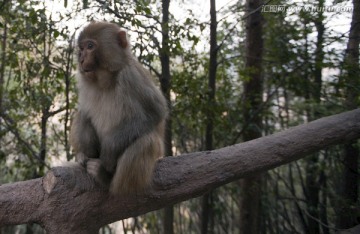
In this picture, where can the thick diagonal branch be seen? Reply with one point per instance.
(61, 205)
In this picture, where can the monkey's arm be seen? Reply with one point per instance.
(84, 138)
(153, 111)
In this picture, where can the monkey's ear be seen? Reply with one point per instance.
(122, 39)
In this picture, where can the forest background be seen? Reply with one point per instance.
(231, 70)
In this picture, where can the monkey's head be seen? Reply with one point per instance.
(103, 47)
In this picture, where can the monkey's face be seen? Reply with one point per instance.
(87, 57)
(103, 51)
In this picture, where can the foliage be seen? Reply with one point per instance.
(36, 79)
(38, 96)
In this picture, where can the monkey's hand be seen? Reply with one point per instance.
(97, 171)
(81, 159)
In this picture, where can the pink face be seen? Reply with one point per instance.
(87, 56)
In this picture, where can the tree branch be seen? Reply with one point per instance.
(59, 203)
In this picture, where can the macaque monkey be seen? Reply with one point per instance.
(117, 133)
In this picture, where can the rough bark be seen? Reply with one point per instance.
(60, 207)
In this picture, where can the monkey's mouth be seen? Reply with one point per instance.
(87, 70)
(89, 74)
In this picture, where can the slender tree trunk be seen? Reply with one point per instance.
(207, 215)
(212, 75)
(165, 80)
(2, 69)
(165, 87)
(253, 89)
(349, 192)
(313, 170)
(312, 191)
(320, 27)
(43, 141)
(67, 76)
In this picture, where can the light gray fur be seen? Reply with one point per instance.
(127, 112)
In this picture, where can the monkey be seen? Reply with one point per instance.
(117, 133)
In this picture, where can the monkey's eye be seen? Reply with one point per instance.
(90, 45)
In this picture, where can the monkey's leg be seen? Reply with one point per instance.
(98, 172)
(135, 166)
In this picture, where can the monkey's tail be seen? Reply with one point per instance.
(135, 167)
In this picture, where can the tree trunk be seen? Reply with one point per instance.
(207, 215)
(165, 87)
(349, 188)
(253, 90)
(313, 170)
(2, 70)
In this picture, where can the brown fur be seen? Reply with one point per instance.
(118, 130)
